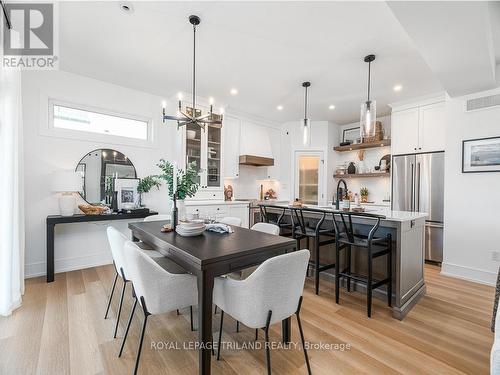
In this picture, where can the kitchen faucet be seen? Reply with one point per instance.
(337, 200)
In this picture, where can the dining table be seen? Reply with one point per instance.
(211, 255)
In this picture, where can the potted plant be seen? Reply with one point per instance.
(186, 184)
(145, 185)
(363, 192)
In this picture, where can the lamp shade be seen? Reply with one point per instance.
(66, 181)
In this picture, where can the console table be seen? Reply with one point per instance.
(53, 220)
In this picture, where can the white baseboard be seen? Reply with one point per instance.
(469, 273)
(69, 264)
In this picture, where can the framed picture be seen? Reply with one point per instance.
(351, 134)
(127, 192)
(481, 155)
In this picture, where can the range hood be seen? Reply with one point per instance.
(255, 146)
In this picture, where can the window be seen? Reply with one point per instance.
(71, 118)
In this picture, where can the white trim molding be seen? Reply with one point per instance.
(69, 264)
(468, 273)
(46, 128)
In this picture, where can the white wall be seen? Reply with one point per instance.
(379, 187)
(472, 203)
(78, 245)
(322, 138)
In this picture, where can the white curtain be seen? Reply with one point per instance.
(11, 193)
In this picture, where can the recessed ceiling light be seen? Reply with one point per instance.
(234, 92)
(331, 106)
(127, 7)
(397, 88)
(279, 108)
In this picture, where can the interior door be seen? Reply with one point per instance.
(309, 172)
(403, 182)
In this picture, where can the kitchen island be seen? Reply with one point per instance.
(407, 230)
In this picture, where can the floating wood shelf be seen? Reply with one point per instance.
(358, 175)
(360, 146)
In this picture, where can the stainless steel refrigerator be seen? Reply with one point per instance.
(418, 185)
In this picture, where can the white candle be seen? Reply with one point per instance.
(175, 178)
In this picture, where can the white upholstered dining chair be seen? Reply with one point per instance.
(156, 290)
(117, 241)
(270, 294)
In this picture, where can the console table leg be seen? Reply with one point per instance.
(50, 253)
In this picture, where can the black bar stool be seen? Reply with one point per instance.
(301, 230)
(374, 247)
(282, 222)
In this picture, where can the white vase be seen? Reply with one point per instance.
(361, 167)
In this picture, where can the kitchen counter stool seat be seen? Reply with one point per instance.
(374, 247)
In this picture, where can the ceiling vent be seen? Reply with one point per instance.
(482, 103)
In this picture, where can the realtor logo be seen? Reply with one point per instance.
(30, 43)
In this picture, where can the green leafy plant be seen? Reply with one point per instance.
(363, 192)
(147, 183)
(186, 180)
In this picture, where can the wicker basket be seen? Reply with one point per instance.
(88, 209)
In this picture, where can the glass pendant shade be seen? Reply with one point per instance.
(306, 129)
(368, 120)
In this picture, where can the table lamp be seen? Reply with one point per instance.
(66, 183)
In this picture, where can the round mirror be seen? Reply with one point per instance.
(99, 168)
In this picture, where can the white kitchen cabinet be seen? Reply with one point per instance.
(204, 149)
(432, 127)
(404, 131)
(232, 129)
(240, 211)
(273, 172)
(418, 129)
(218, 211)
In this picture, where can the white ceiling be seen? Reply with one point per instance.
(264, 49)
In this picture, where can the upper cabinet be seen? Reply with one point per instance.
(204, 148)
(273, 172)
(418, 129)
(231, 129)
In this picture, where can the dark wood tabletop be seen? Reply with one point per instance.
(211, 247)
(210, 255)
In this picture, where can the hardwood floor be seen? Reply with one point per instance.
(60, 330)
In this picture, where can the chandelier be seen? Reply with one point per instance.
(192, 115)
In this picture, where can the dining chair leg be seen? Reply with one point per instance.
(220, 334)
(302, 337)
(256, 334)
(268, 350)
(143, 331)
(237, 326)
(337, 272)
(178, 313)
(191, 317)
(316, 265)
(215, 310)
(120, 307)
(111, 295)
(128, 327)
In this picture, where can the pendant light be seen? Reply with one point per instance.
(368, 109)
(306, 125)
(195, 117)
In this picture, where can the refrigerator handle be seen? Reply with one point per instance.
(417, 176)
(412, 204)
